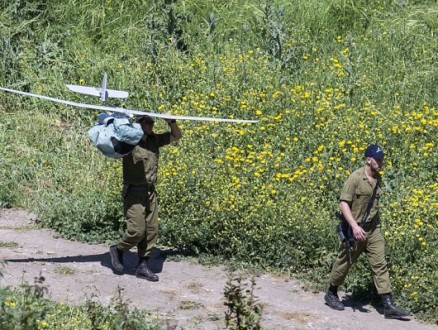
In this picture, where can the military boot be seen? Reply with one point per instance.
(144, 272)
(116, 258)
(332, 300)
(390, 310)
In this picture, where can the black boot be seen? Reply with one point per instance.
(332, 300)
(390, 310)
(144, 272)
(116, 258)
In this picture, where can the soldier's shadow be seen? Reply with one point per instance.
(359, 304)
(156, 261)
(159, 256)
(362, 304)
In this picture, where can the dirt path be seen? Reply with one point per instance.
(187, 296)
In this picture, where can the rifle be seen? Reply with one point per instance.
(344, 231)
(345, 235)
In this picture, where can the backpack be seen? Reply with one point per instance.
(114, 135)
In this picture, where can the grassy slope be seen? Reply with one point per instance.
(324, 77)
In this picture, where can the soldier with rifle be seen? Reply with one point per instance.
(360, 233)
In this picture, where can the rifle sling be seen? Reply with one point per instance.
(370, 205)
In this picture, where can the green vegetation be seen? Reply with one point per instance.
(26, 308)
(244, 311)
(9, 245)
(325, 79)
(64, 270)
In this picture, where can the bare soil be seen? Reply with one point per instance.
(187, 296)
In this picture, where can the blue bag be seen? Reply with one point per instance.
(114, 135)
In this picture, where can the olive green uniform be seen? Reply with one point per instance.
(357, 192)
(140, 201)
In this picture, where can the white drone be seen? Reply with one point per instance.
(103, 93)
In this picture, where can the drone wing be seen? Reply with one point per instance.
(94, 91)
(128, 112)
(103, 93)
(84, 90)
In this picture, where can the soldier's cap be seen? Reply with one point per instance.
(374, 151)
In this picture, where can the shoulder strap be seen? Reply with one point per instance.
(370, 204)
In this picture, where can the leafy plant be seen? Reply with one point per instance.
(25, 310)
(244, 311)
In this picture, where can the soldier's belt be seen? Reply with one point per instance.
(370, 225)
(141, 188)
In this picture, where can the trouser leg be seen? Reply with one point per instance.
(149, 241)
(375, 253)
(341, 267)
(134, 204)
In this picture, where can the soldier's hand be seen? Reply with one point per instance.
(359, 233)
(170, 119)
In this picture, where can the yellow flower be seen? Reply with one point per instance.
(10, 303)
